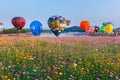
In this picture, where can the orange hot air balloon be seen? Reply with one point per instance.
(84, 25)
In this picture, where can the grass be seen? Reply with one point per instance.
(60, 58)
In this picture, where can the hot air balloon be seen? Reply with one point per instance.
(84, 25)
(36, 28)
(57, 24)
(68, 22)
(96, 29)
(18, 22)
(102, 29)
(109, 23)
(1, 27)
(109, 28)
(90, 30)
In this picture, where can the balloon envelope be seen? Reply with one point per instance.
(109, 28)
(109, 23)
(90, 30)
(1, 27)
(36, 28)
(96, 29)
(57, 24)
(84, 25)
(102, 29)
(18, 22)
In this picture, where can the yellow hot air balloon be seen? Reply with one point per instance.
(109, 28)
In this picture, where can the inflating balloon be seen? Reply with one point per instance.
(90, 30)
(57, 24)
(84, 25)
(36, 28)
(18, 22)
(109, 23)
(109, 28)
(96, 29)
(102, 29)
(1, 27)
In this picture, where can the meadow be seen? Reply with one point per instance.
(60, 58)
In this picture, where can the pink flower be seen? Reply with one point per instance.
(111, 74)
(53, 72)
(2, 68)
(17, 75)
(98, 79)
(63, 62)
(9, 67)
(48, 77)
(23, 72)
(24, 67)
(31, 58)
(117, 78)
(0, 63)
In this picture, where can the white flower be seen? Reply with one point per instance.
(75, 64)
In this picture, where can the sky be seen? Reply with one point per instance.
(95, 11)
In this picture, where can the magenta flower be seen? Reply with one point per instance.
(23, 72)
(111, 74)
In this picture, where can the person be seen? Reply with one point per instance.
(118, 33)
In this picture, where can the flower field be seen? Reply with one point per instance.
(60, 58)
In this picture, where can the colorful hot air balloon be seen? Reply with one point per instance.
(90, 30)
(84, 25)
(57, 24)
(96, 29)
(36, 28)
(102, 29)
(18, 22)
(109, 28)
(1, 27)
(109, 23)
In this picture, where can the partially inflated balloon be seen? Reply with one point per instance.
(57, 24)
(109, 23)
(102, 29)
(96, 29)
(84, 25)
(109, 28)
(104, 23)
(36, 28)
(18, 22)
(90, 30)
(1, 27)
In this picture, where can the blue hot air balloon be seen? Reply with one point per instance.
(36, 28)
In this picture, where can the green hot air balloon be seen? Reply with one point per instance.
(102, 29)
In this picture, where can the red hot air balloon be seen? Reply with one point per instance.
(84, 25)
(18, 22)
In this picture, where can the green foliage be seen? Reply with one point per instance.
(14, 30)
